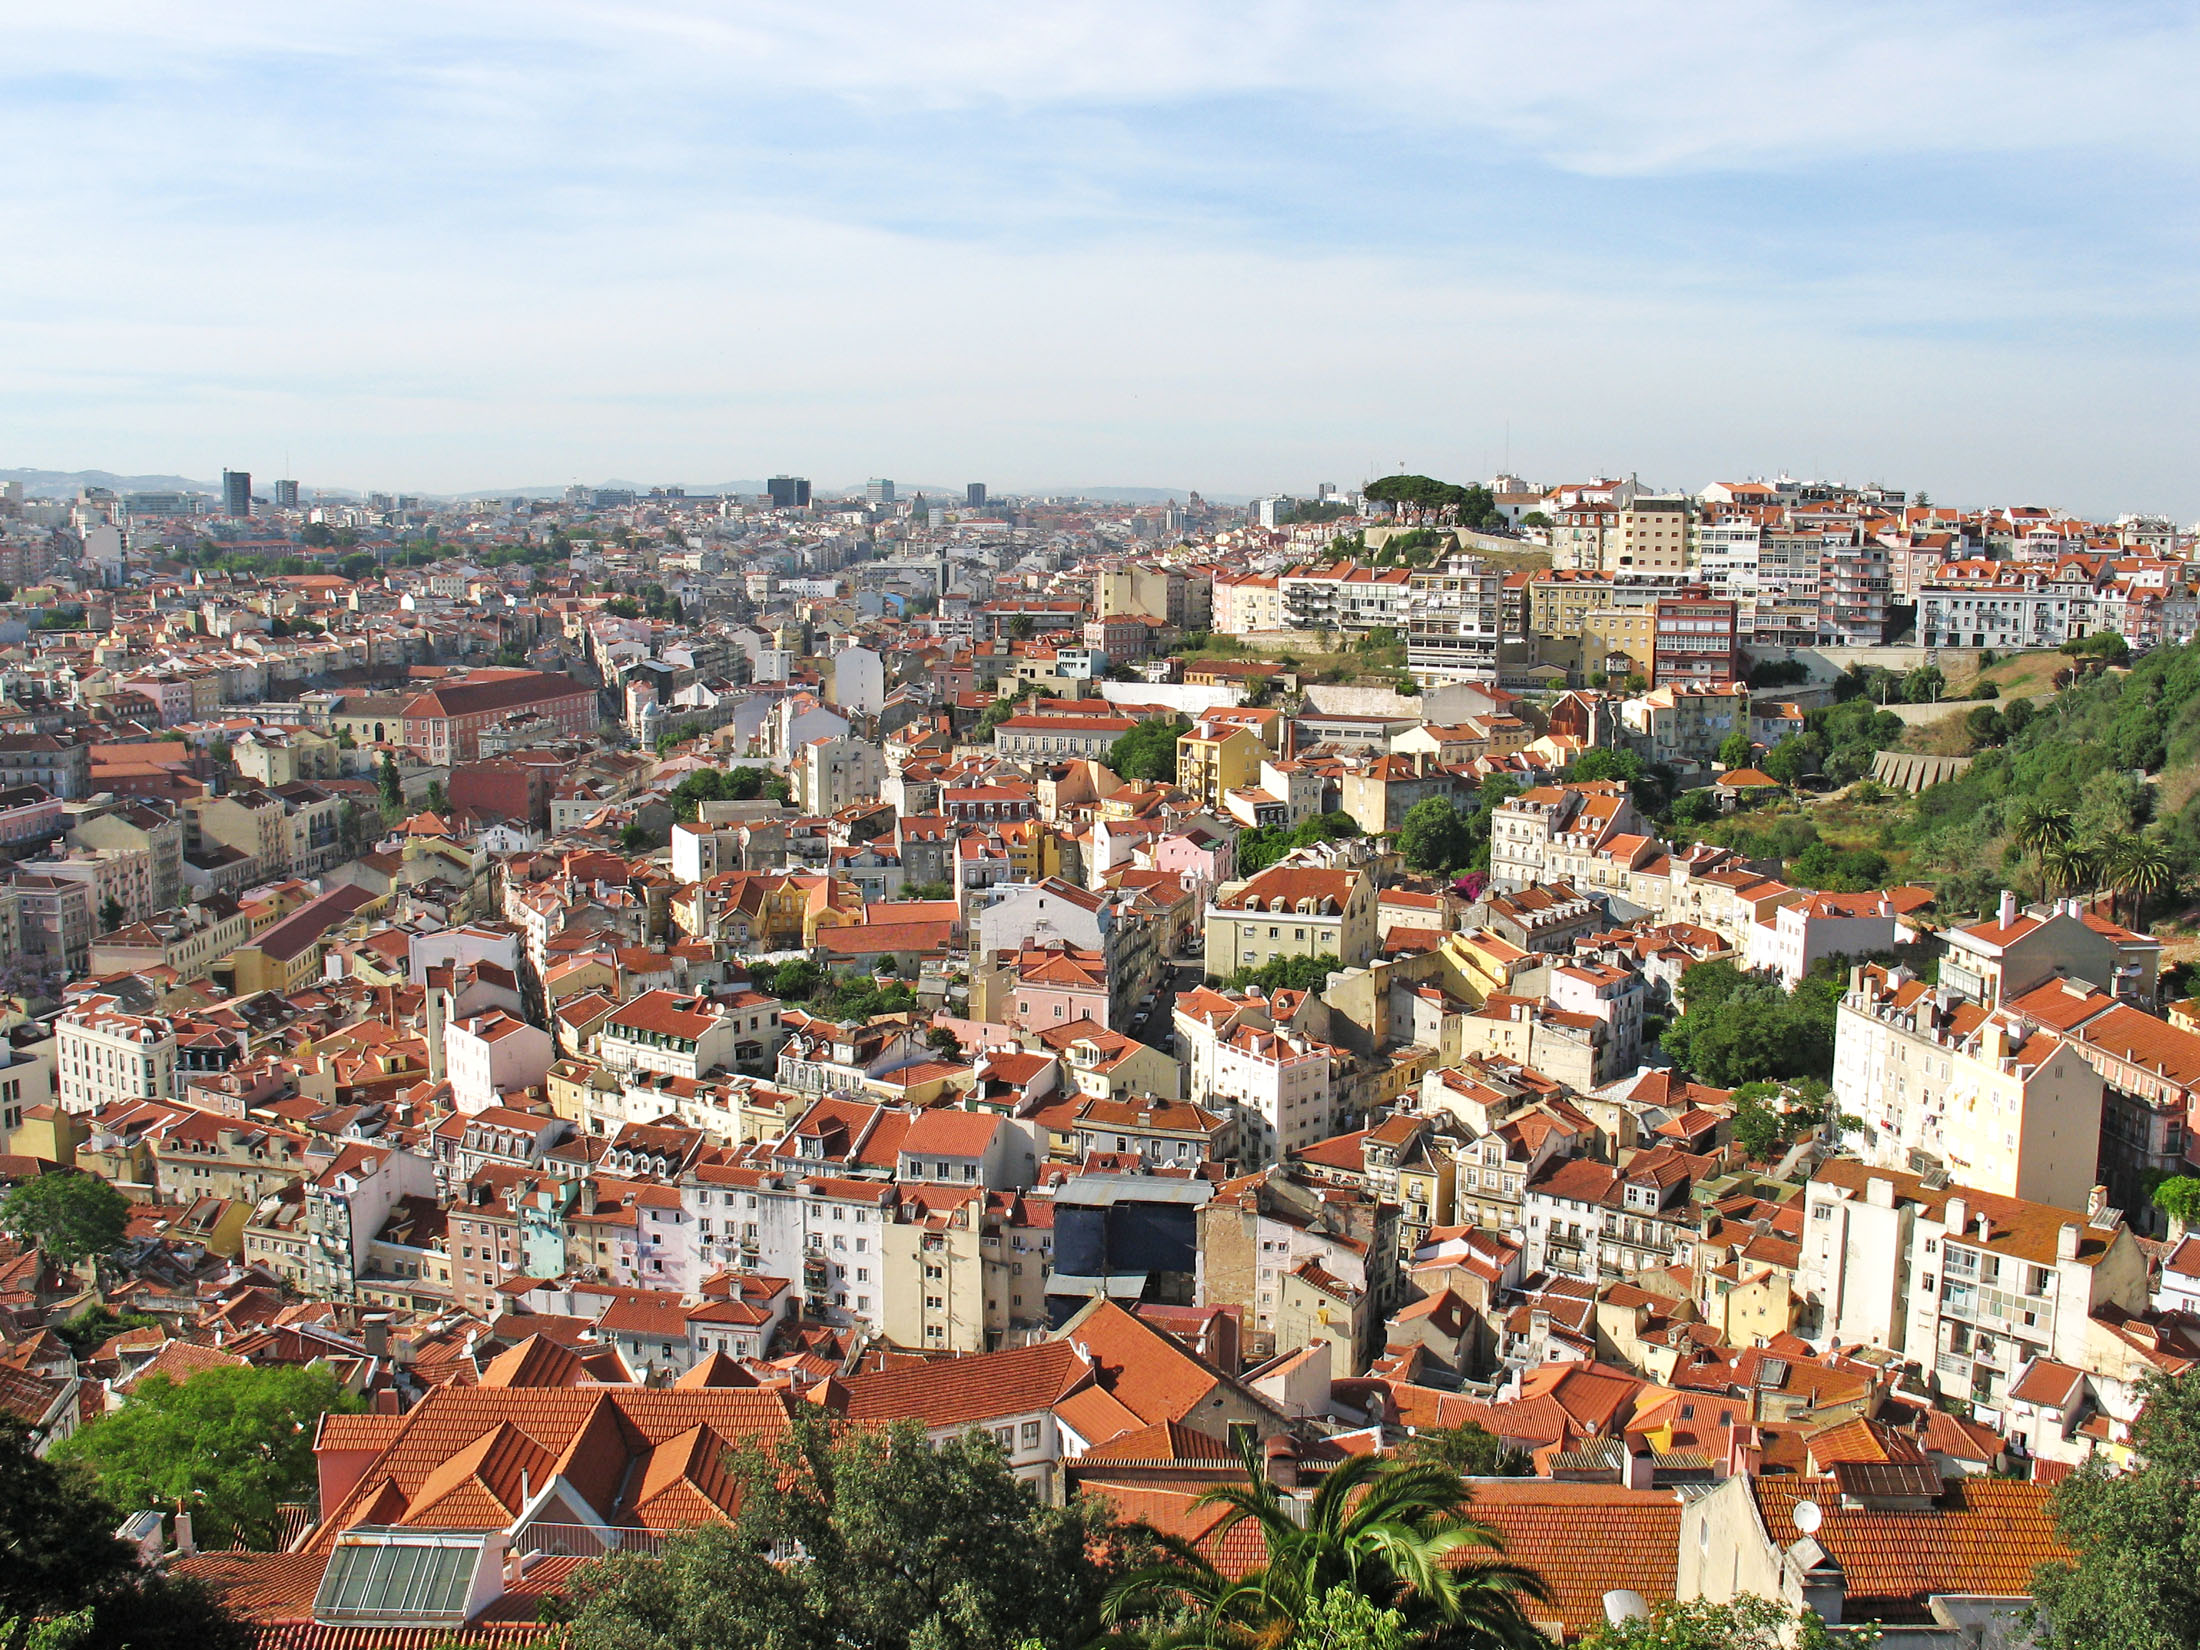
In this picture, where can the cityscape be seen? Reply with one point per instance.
(1677, 1007)
(1099, 827)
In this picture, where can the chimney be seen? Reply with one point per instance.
(2008, 907)
(374, 1331)
(1957, 1217)
(435, 1035)
(2096, 1205)
(186, 1543)
(1985, 1228)
(1879, 1192)
(2066, 1241)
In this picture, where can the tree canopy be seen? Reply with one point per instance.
(1471, 1451)
(1148, 751)
(232, 1444)
(73, 1217)
(1740, 1028)
(1288, 974)
(1262, 846)
(906, 1547)
(1383, 1527)
(1469, 506)
(1744, 1623)
(1435, 836)
(744, 784)
(2134, 1580)
(62, 1560)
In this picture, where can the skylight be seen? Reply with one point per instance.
(400, 1575)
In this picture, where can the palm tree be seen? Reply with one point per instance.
(2070, 865)
(2040, 826)
(2140, 869)
(1384, 1527)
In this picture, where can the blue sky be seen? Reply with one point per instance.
(1235, 247)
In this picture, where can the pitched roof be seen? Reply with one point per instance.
(958, 1391)
(1983, 1535)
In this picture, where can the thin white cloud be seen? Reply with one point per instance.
(452, 245)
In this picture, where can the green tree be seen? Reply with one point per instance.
(1605, 763)
(233, 1444)
(1737, 1028)
(1433, 836)
(795, 980)
(2039, 827)
(1471, 1451)
(393, 786)
(2133, 1581)
(439, 801)
(941, 1040)
(1288, 974)
(1735, 750)
(1924, 685)
(1385, 1527)
(111, 914)
(1787, 761)
(1744, 1623)
(1346, 1619)
(62, 1561)
(1985, 726)
(2138, 870)
(73, 1217)
(636, 838)
(2178, 1197)
(2070, 866)
(906, 1546)
(1148, 751)
(99, 1323)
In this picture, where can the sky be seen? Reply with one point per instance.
(1241, 248)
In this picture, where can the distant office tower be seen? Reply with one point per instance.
(974, 496)
(879, 490)
(286, 495)
(237, 493)
(789, 492)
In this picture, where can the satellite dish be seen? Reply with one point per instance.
(1808, 1516)
(1624, 1604)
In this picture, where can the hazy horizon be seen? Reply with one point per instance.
(1238, 249)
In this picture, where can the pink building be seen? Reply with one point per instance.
(1058, 984)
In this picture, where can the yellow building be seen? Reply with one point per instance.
(934, 1271)
(1212, 761)
(1478, 964)
(1293, 911)
(50, 1134)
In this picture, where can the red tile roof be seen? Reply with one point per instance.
(1984, 1535)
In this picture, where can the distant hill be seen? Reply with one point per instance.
(68, 483)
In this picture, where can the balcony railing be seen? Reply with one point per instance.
(587, 1541)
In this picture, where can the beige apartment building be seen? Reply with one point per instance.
(2009, 1108)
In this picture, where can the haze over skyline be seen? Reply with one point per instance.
(1225, 247)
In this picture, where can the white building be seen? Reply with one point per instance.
(1802, 935)
(489, 1055)
(669, 1032)
(1279, 1083)
(832, 774)
(1930, 1076)
(102, 1054)
(1969, 1285)
(859, 680)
